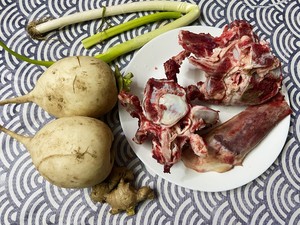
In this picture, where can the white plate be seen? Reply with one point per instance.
(148, 62)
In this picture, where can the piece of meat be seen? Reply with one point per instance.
(201, 45)
(240, 69)
(168, 120)
(172, 65)
(230, 142)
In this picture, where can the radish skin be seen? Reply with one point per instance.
(74, 86)
(71, 152)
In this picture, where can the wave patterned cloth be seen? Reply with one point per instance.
(26, 198)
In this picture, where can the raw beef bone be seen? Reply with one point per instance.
(240, 69)
(168, 120)
(229, 143)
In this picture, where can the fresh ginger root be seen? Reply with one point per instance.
(117, 191)
(112, 181)
(125, 198)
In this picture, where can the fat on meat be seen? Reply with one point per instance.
(169, 125)
(239, 68)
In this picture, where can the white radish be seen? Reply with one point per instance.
(74, 86)
(71, 152)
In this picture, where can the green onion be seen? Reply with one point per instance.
(101, 36)
(24, 58)
(45, 26)
(191, 13)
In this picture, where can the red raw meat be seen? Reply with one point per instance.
(240, 69)
(170, 125)
(230, 142)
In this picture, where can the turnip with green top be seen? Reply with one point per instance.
(71, 152)
(74, 86)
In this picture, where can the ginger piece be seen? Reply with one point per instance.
(112, 181)
(126, 198)
(118, 193)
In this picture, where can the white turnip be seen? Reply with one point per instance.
(74, 86)
(71, 152)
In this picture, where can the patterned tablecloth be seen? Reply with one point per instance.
(26, 198)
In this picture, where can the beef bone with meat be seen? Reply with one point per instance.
(229, 143)
(239, 68)
(168, 120)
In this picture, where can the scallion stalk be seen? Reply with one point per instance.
(45, 26)
(191, 13)
(110, 32)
